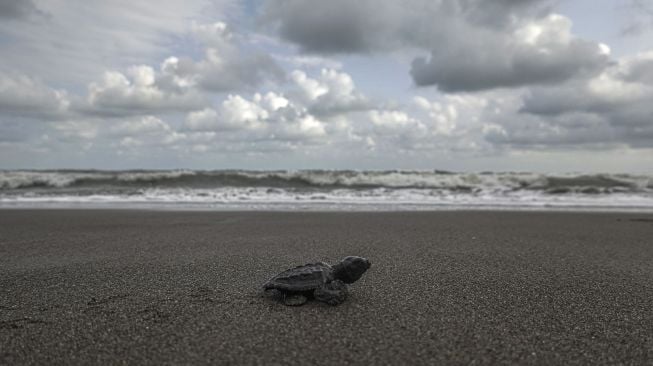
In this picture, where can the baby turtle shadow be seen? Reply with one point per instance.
(333, 294)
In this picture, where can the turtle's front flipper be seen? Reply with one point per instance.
(332, 293)
(294, 299)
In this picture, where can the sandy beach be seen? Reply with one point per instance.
(157, 287)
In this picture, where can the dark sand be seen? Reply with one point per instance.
(138, 287)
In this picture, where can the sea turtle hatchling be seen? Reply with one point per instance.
(318, 280)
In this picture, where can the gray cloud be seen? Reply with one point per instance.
(181, 83)
(473, 44)
(12, 131)
(227, 65)
(612, 107)
(108, 93)
(574, 130)
(17, 9)
(269, 117)
(138, 92)
(500, 61)
(25, 97)
(623, 89)
(568, 131)
(314, 111)
(78, 40)
(324, 27)
(342, 26)
(238, 73)
(331, 93)
(640, 16)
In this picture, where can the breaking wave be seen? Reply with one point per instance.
(327, 186)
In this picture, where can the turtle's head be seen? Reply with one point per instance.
(351, 269)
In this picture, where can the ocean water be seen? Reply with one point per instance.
(324, 190)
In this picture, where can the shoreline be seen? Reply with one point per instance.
(446, 287)
(324, 207)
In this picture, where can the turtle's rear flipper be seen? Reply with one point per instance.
(332, 293)
(294, 300)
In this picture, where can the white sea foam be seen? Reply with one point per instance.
(344, 189)
(59, 179)
(389, 199)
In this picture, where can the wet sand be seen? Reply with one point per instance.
(148, 287)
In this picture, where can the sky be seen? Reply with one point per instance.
(464, 85)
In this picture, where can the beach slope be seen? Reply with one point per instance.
(157, 287)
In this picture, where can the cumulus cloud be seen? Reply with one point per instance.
(169, 79)
(397, 129)
(146, 131)
(181, 84)
(342, 26)
(623, 85)
(333, 92)
(444, 124)
(449, 122)
(24, 96)
(615, 103)
(443, 116)
(227, 65)
(460, 115)
(313, 110)
(235, 113)
(324, 27)
(139, 92)
(608, 110)
(539, 52)
(473, 44)
(264, 117)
